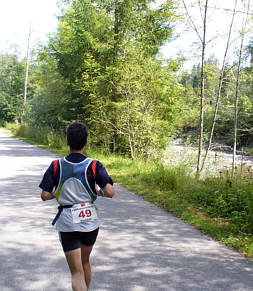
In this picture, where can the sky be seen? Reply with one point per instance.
(219, 17)
(17, 15)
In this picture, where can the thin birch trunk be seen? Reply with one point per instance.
(236, 114)
(116, 30)
(202, 92)
(202, 88)
(130, 138)
(244, 22)
(26, 70)
(219, 89)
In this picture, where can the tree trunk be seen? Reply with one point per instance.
(202, 91)
(116, 30)
(202, 87)
(26, 71)
(237, 91)
(219, 90)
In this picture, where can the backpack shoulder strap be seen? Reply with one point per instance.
(56, 162)
(94, 163)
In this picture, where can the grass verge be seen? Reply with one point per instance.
(220, 209)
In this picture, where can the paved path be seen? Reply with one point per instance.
(139, 248)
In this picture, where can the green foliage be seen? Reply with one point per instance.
(49, 105)
(190, 100)
(40, 135)
(144, 110)
(105, 53)
(226, 199)
(225, 119)
(11, 87)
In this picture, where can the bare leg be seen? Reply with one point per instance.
(85, 252)
(76, 269)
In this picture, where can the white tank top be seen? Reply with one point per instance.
(74, 189)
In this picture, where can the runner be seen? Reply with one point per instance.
(77, 181)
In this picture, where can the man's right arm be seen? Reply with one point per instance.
(46, 195)
(108, 190)
(47, 184)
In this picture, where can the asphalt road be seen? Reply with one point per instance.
(139, 247)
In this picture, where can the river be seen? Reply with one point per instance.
(217, 161)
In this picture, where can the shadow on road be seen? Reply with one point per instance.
(141, 247)
(16, 148)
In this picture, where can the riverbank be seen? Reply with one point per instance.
(219, 160)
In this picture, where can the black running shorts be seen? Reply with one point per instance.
(73, 240)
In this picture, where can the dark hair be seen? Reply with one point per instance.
(77, 134)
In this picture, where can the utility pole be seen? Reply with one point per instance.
(26, 70)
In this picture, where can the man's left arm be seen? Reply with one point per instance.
(104, 181)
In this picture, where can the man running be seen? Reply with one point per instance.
(77, 181)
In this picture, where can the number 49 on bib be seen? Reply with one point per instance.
(81, 214)
(85, 213)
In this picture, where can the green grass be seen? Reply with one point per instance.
(169, 190)
(220, 208)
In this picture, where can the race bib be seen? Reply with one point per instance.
(83, 212)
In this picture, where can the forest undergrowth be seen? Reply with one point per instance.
(219, 206)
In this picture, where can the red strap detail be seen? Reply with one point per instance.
(56, 162)
(94, 168)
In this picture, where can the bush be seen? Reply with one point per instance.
(223, 198)
(43, 136)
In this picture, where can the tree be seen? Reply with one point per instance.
(219, 87)
(11, 87)
(146, 110)
(244, 23)
(190, 99)
(97, 43)
(202, 39)
(48, 106)
(26, 71)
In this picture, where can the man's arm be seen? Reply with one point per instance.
(46, 195)
(103, 181)
(108, 190)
